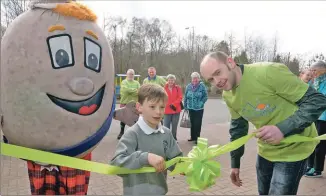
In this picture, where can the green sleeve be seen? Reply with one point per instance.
(290, 87)
(135, 91)
(145, 81)
(162, 81)
(124, 88)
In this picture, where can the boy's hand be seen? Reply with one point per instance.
(157, 162)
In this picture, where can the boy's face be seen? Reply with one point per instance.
(152, 111)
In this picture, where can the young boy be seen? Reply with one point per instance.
(147, 143)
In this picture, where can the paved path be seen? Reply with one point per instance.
(14, 179)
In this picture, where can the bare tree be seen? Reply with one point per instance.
(223, 46)
(160, 37)
(11, 9)
(275, 47)
(231, 41)
(140, 43)
(256, 49)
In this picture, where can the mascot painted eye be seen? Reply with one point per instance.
(93, 54)
(61, 51)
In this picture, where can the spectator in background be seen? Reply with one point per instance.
(129, 93)
(194, 101)
(317, 158)
(305, 75)
(173, 106)
(153, 78)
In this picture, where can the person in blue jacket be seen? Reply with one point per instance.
(194, 101)
(317, 158)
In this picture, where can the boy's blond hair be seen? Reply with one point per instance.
(151, 92)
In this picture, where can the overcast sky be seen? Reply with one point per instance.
(300, 25)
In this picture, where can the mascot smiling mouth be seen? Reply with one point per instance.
(84, 107)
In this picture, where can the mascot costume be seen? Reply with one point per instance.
(57, 90)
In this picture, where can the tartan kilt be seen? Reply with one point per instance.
(66, 181)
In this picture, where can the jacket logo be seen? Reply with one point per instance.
(251, 111)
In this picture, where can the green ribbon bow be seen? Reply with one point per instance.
(199, 167)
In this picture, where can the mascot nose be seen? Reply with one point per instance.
(81, 86)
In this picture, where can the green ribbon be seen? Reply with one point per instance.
(199, 167)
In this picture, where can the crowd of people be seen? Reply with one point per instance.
(193, 101)
(268, 95)
(265, 94)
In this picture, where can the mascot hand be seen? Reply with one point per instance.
(128, 114)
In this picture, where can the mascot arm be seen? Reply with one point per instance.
(128, 115)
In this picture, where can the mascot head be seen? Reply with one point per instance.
(57, 79)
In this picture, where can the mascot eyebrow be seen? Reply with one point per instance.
(62, 28)
(56, 28)
(91, 33)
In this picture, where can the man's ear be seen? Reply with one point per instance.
(231, 63)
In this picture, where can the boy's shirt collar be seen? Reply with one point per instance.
(147, 129)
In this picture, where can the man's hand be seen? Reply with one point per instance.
(235, 177)
(270, 134)
(157, 162)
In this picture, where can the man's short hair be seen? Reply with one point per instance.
(151, 68)
(131, 70)
(171, 76)
(219, 56)
(151, 92)
(195, 75)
